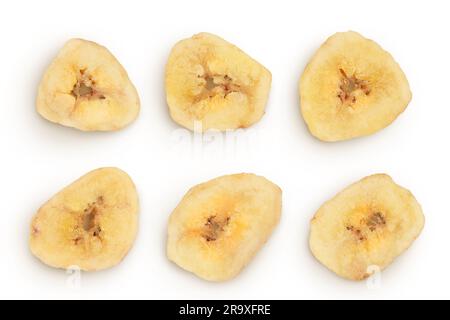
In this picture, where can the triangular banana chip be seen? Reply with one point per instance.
(91, 224)
(85, 87)
(351, 88)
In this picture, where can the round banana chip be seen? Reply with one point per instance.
(219, 225)
(351, 88)
(212, 84)
(91, 224)
(365, 227)
(85, 87)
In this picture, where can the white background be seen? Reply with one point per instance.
(39, 158)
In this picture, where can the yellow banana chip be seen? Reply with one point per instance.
(351, 88)
(219, 225)
(365, 226)
(214, 84)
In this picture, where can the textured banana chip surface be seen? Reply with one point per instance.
(219, 225)
(85, 87)
(365, 227)
(91, 224)
(351, 88)
(212, 84)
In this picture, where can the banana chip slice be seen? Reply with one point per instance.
(91, 224)
(85, 87)
(351, 88)
(214, 83)
(219, 225)
(366, 225)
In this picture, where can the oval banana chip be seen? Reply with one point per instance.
(212, 84)
(366, 225)
(351, 88)
(86, 88)
(219, 225)
(91, 224)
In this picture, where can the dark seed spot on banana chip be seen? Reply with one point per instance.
(217, 84)
(356, 232)
(214, 227)
(89, 219)
(348, 87)
(373, 222)
(376, 220)
(90, 223)
(85, 87)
